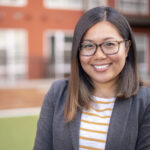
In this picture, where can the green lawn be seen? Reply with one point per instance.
(17, 133)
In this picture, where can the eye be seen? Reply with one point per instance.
(110, 44)
(87, 46)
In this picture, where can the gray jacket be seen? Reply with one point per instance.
(129, 127)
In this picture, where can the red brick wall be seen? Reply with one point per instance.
(35, 18)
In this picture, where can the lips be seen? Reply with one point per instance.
(101, 67)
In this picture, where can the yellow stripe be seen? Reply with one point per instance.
(91, 114)
(91, 122)
(101, 102)
(95, 131)
(90, 148)
(101, 110)
(91, 139)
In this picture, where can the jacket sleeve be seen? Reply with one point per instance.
(143, 141)
(43, 140)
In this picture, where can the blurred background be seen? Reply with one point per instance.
(35, 47)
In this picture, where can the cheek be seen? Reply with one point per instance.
(84, 60)
(119, 60)
(119, 57)
(115, 58)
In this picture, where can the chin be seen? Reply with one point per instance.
(104, 80)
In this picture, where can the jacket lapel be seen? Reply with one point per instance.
(118, 124)
(74, 130)
(117, 127)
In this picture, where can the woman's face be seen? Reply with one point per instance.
(102, 68)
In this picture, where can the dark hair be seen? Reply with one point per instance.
(80, 86)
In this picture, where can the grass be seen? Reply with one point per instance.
(18, 133)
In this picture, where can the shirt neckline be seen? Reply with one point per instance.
(104, 99)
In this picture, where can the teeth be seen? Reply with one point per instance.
(101, 67)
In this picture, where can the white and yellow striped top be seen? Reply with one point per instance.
(94, 124)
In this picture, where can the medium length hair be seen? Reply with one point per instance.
(80, 85)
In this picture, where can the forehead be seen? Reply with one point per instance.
(101, 31)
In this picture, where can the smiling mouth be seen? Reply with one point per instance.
(101, 67)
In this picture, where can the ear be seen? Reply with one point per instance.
(127, 45)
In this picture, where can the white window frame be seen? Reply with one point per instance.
(129, 10)
(143, 67)
(12, 69)
(63, 5)
(89, 4)
(60, 67)
(17, 3)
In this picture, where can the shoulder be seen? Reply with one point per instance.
(55, 94)
(144, 90)
(59, 84)
(144, 94)
(57, 89)
(142, 99)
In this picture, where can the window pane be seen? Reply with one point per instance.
(68, 39)
(52, 45)
(69, 4)
(50, 71)
(133, 6)
(67, 57)
(140, 56)
(67, 50)
(13, 53)
(59, 54)
(88, 4)
(13, 2)
(3, 58)
(142, 50)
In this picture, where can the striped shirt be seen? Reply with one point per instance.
(94, 124)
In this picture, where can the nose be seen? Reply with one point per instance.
(100, 54)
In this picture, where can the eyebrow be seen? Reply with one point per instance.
(107, 38)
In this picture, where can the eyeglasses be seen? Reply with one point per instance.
(89, 48)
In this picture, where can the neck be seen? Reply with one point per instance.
(105, 90)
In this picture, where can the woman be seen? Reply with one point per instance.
(103, 105)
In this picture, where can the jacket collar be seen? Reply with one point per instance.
(75, 129)
(117, 126)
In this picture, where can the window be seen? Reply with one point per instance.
(133, 6)
(58, 53)
(13, 54)
(3, 57)
(13, 2)
(63, 4)
(142, 53)
(88, 4)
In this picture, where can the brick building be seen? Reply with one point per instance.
(36, 35)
